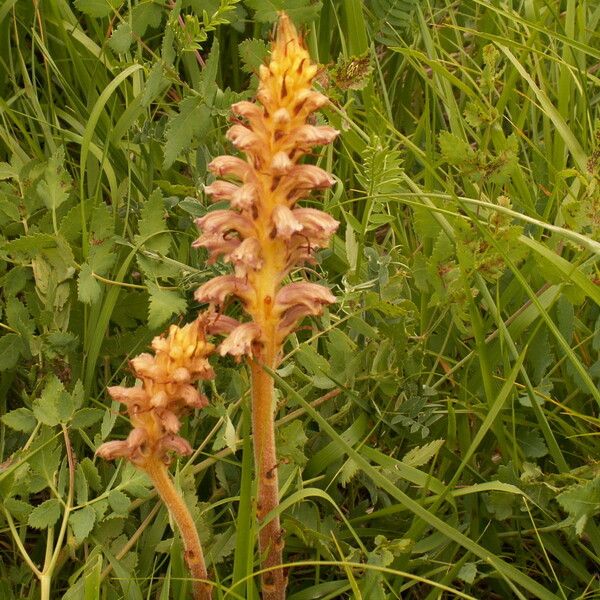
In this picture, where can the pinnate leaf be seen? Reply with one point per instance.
(82, 522)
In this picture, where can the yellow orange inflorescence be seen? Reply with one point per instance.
(167, 391)
(264, 235)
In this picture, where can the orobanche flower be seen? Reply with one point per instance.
(264, 235)
(167, 391)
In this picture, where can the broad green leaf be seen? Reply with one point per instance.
(156, 83)
(468, 572)
(581, 502)
(121, 39)
(253, 54)
(82, 522)
(119, 501)
(17, 508)
(11, 348)
(144, 15)
(55, 405)
(89, 289)
(152, 223)
(455, 150)
(54, 188)
(91, 474)
(163, 304)
(20, 419)
(86, 417)
(45, 515)
(192, 121)
(98, 8)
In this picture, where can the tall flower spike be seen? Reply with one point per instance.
(168, 391)
(265, 236)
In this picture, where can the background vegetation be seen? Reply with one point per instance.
(438, 426)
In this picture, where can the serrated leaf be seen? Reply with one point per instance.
(581, 502)
(45, 515)
(82, 522)
(468, 572)
(11, 347)
(163, 304)
(20, 419)
(98, 8)
(348, 471)
(86, 417)
(455, 150)
(156, 83)
(192, 120)
(91, 474)
(55, 405)
(30, 245)
(144, 15)
(119, 501)
(54, 188)
(253, 54)
(17, 508)
(121, 38)
(152, 223)
(208, 86)
(421, 455)
(89, 289)
(299, 11)
(531, 442)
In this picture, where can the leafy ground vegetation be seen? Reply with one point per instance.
(437, 426)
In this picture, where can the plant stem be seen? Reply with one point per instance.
(194, 557)
(270, 539)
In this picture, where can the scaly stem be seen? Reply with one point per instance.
(194, 557)
(270, 540)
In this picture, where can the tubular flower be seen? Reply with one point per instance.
(167, 391)
(264, 236)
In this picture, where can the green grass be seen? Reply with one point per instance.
(438, 426)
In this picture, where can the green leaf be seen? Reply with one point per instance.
(119, 501)
(17, 508)
(422, 454)
(532, 443)
(82, 522)
(299, 11)
(54, 188)
(152, 222)
(121, 39)
(89, 289)
(20, 419)
(253, 54)
(455, 150)
(86, 417)
(163, 304)
(581, 502)
(55, 405)
(98, 8)
(192, 121)
(91, 474)
(45, 515)
(7, 171)
(156, 83)
(144, 15)
(468, 572)
(11, 347)
(208, 86)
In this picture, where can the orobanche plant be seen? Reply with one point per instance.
(265, 236)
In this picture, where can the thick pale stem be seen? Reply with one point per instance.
(270, 537)
(194, 557)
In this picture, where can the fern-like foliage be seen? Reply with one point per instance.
(391, 19)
